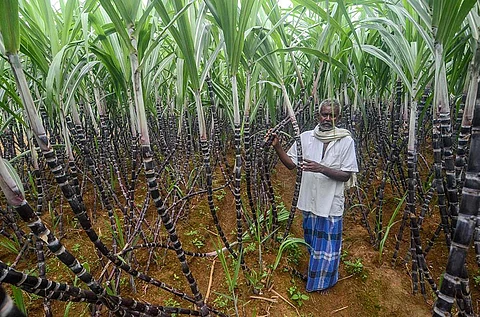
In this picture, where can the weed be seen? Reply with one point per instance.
(355, 267)
(391, 222)
(296, 295)
(288, 244)
(220, 195)
(198, 243)
(476, 278)
(294, 253)
(251, 247)
(191, 233)
(76, 247)
(221, 301)
(171, 303)
(257, 279)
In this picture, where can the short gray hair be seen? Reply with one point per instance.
(331, 103)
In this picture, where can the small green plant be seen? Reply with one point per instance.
(294, 254)
(191, 233)
(355, 267)
(287, 244)
(257, 279)
(476, 278)
(391, 223)
(76, 247)
(171, 303)
(222, 300)
(220, 195)
(296, 295)
(198, 243)
(251, 247)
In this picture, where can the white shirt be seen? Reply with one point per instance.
(320, 194)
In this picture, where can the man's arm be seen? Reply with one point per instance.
(338, 175)
(282, 155)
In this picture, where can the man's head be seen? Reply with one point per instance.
(328, 114)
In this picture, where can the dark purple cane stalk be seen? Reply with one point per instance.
(211, 204)
(79, 209)
(166, 220)
(422, 264)
(434, 237)
(449, 164)
(389, 164)
(41, 273)
(464, 230)
(237, 197)
(96, 173)
(364, 212)
(8, 219)
(41, 232)
(426, 203)
(437, 156)
(64, 292)
(8, 142)
(164, 149)
(414, 273)
(463, 297)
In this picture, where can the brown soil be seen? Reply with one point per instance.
(380, 290)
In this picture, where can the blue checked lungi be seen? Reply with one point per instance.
(324, 235)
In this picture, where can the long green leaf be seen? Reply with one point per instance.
(9, 25)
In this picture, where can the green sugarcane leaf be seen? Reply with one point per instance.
(120, 26)
(9, 25)
(378, 53)
(285, 244)
(50, 29)
(18, 299)
(85, 70)
(182, 36)
(322, 56)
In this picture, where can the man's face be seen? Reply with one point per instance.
(327, 118)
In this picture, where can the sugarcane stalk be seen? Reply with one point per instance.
(464, 230)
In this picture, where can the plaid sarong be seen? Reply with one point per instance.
(324, 235)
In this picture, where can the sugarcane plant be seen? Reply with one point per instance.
(122, 119)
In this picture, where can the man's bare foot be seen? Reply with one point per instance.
(324, 292)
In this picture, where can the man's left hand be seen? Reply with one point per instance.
(312, 166)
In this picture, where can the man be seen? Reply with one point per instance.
(328, 162)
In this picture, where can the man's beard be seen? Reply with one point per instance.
(326, 126)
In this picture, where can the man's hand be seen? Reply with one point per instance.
(273, 137)
(338, 175)
(312, 166)
(275, 140)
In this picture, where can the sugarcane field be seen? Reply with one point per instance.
(247, 158)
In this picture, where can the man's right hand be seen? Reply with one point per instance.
(275, 140)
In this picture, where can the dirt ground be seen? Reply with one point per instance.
(378, 290)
